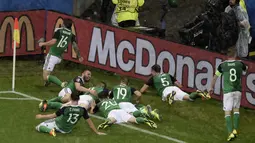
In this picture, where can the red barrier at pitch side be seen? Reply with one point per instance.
(133, 54)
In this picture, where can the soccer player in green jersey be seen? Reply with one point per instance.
(111, 110)
(65, 119)
(75, 86)
(231, 70)
(169, 88)
(88, 99)
(58, 44)
(123, 95)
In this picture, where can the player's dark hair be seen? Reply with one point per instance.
(156, 68)
(237, 2)
(75, 97)
(104, 84)
(124, 79)
(68, 23)
(103, 95)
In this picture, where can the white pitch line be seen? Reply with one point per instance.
(8, 98)
(127, 126)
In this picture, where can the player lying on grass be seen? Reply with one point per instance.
(169, 88)
(231, 70)
(123, 95)
(58, 44)
(111, 110)
(65, 119)
(75, 86)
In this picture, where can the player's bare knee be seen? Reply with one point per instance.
(66, 98)
(112, 120)
(132, 120)
(45, 75)
(227, 113)
(236, 110)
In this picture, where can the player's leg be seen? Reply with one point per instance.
(56, 102)
(48, 67)
(112, 118)
(47, 126)
(125, 117)
(147, 110)
(168, 94)
(227, 107)
(236, 106)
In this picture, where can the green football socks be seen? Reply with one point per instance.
(55, 80)
(56, 99)
(193, 95)
(140, 120)
(137, 113)
(229, 124)
(44, 129)
(236, 120)
(54, 105)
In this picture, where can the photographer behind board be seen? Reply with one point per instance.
(127, 12)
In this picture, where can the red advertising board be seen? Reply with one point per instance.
(133, 54)
(31, 25)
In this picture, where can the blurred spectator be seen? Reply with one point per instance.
(243, 23)
(127, 12)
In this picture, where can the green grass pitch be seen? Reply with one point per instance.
(193, 122)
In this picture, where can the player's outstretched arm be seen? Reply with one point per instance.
(144, 88)
(48, 116)
(178, 84)
(215, 77)
(138, 96)
(77, 51)
(92, 126)
(83, 89)
(48, 43)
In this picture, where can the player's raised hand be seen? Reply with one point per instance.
(93, 92)
(100, 133)
(41, 44)
(81, 59)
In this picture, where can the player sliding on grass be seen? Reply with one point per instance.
(65, 119)
(59, 43)
(111, 110)
(75, 86)
(169, 88)
(231, 70)
(123, 95)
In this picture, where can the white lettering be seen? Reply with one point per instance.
(181, 61)
(108, 50)
(120, 55)
(217, 87)
(165, 55)
(141, 45)
(204, 76)
(251, 86)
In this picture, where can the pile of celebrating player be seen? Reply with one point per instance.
(122, 103)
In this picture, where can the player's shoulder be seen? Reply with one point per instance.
(58, 29)
(78, 79)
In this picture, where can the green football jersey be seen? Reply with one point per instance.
(107, 105)
(71, 84)
(231, 70)
(64, 36)
(161, 81)
(68, 116)
(97, 89)
(122, 93)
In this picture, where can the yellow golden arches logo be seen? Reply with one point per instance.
(58, 24)
(23, 21)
